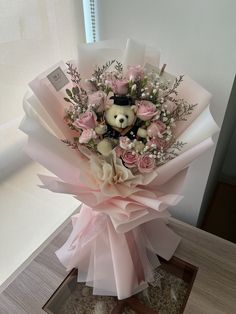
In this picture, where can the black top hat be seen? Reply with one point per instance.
(122, 100)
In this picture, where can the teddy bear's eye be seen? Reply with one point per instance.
(126, 116)
(115, 116)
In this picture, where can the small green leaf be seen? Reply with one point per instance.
(66, 99)
(75, 90)
(69, 93)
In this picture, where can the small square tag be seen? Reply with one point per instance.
(58, 79)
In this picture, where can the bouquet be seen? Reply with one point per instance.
(137, 125)
(119, 134)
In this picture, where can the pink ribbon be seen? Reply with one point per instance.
(117, 261)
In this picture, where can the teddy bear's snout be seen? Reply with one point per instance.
(121, 121)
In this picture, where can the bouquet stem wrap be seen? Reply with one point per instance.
(114, 263)
(122, 224)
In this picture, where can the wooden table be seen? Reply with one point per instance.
(214, 289)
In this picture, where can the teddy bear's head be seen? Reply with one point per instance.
(120, 115)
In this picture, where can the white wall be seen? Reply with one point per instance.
(194, 37)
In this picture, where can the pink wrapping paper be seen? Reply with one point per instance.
(103, 257)
(116, 221)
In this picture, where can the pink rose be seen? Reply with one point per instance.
(135, 73)
(146, 110)
(87, 135)
(146, 163)
(119, 151)
(158, 142)
(124, 142)
(120, 87)
(98, 99)
(130, 159)
(87, 120)
(156, 129)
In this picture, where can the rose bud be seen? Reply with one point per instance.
(101, 129)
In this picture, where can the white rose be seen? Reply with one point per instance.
(104, 147)
(139, 146)
(101, 129)
(142, 133)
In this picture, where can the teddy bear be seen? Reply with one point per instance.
(120, 118)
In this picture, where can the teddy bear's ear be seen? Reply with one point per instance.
(108, 106)
(134, 108)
